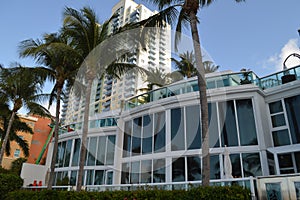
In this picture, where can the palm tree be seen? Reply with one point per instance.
(209, 67)
(21, 88)
(56, 53)
(17, 126)
(187, 15)
(100, 56)
(186, 64)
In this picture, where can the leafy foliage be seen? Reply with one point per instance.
(9, 182)
(207, 193)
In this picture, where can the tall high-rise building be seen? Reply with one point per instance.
(107, 93)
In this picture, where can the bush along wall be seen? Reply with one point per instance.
(8, 183)
(207, 193)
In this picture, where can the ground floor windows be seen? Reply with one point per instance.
(90, 177)
(289, 163)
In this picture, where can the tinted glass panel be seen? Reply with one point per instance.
(228, 124)
(177, 129)
(146, 169)
(193, 128)
(135, 172)
(246, 122)
(125, 173)
(68, 153)
(99, 177)
(110, 150)
(73, 178)
(178, 169)
(251, 164)
(159, 171)
(194, 168)
(275, 107)
(278, 120)
(147, 134)
(159, 132)
(76, 151)
(101, 151)
(92, 151)
(271, 163)
(136, 136)
(236, 165)
(286, 163)
(292, 105)
(127, 139)
(281, 137)
(89, 177)
(213, 126)
(215, 167)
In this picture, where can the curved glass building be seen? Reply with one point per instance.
(156, 138)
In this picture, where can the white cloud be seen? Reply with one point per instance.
(277, 60)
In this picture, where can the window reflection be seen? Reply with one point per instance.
(251, 164)
(246, 122)
(76, 152)
(159, 171)
(177, 129)
(215, 167)
(178, 169)
(136, 136)
(293, 109)
(127, 139)
(213, 126)
(159, 132)
(228, 124)
(193, 128)
(194, 168)
(101, 151)
(147, 134)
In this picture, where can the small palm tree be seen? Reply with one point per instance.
(209, 67)
(21, 88)
(55, 51)
(186, 64)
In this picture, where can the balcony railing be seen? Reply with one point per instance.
(225, 80)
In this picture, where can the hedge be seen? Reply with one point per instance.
(8, 183)
(207, 193)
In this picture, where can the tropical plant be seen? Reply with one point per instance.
(17, 126)
(187, 16)
(209, 67)
(186, 64)
(55, 51)
(16, 165)
(20, 88)
(99, 55)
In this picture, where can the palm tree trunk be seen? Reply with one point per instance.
(203, 100)
(5, 140)
(55, 148)
(84, 133)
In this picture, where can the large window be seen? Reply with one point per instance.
(228, 124)
(177, 130)
(246, 122)
(213, 126)
(193, 128)
(136, 136)
(159, 132)
(293, 109)
(147, 134)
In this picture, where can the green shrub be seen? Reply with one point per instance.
(207, 193)
(8, 183)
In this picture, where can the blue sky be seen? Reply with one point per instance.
(256, 35)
